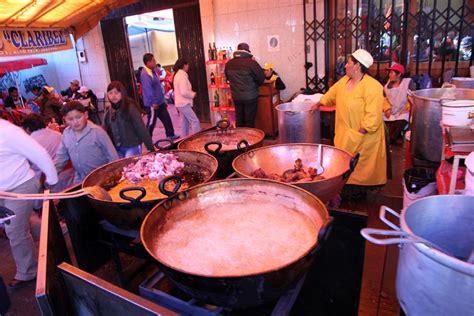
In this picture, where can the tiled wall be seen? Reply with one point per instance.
(230, 22)
(94, 72)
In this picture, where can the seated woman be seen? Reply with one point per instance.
(396, 106)
(87, 98)
(272, 77)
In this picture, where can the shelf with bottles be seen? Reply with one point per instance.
(221, 99)
(223, 108)
(219, 86)
(217, 62)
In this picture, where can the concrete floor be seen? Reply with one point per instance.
(23, 299)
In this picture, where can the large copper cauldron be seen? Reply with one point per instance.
(129, 215)
(217, 143)
(214, 201)
(338, 165)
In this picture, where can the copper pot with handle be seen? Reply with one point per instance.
(337, 165)
(236, 242)
(128, 213)
(224, 143)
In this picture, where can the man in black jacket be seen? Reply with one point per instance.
(245, 76)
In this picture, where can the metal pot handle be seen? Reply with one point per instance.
(157, 143)
(325, 230)
(223, 124)
(323, 234)
(405, 238)
(213, 152)
(369, 234)
(135, 201)
(448, 85)
(245, 144)
(6, 215)
(163, 182)
(382, 212)
(410, 93)
(352, 166)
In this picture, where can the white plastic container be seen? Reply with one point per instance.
(457, 113)
(463, 82)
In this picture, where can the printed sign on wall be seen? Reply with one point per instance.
(273, 43)
(15, 42)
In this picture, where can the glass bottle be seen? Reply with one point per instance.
(213, 78)
(216, 99)
(209, 52)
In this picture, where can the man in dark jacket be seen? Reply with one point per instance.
(245, 76)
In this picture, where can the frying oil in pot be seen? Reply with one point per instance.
(235, 239)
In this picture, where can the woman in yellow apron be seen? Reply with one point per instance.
(359, 125)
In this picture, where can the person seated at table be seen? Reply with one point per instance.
(89, 100)
(272, 77)
(35, 126)
(71, 92)
(50, 106)
(14, 99)
(34, 100)
(87, 145)
(396, 106)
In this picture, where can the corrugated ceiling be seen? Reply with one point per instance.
(80, 15)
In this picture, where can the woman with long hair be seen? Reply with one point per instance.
(123, 122)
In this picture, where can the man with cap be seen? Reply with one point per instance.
(245, 76)
(396, 107)
(359, 125)
(72, 91)
(272, 77)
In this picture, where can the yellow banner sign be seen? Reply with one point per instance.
(15, 42)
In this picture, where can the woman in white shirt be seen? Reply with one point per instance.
(396, 107)
(183, 98)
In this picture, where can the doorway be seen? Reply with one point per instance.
(153, 32)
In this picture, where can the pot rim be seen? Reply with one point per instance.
(290, 145)
(415, 95)
(193, 137)
(213, 172)
(325, 221)
(434, 254)
(306, 110)
(454, 104)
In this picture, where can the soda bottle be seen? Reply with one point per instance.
(216, 99)
(213, 78)
(209, 52)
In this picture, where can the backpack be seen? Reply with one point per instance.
(422, 81)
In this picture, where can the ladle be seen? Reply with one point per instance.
(319, 166)
(95, 191)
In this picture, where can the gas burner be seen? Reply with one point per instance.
(160, 290)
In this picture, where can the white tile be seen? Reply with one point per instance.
(252, 5)
(264, 4)
(253, 19)
(243, 19)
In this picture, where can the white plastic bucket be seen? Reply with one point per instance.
(458, 113)
(463, 82)
(427, 190)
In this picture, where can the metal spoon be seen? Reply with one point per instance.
(319, 167)
(95, 191)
